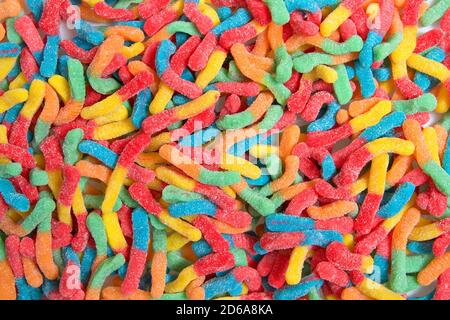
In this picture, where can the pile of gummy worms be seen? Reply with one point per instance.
(224, 149)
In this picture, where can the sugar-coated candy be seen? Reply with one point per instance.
(254, 149)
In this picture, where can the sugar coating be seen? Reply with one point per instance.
(227, 149)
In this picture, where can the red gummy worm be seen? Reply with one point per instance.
(237, 35)
(237, 219)
(301, 201)
(141, 194)
(149, 8)
(156, 22)
(50, 17)
(71, 177)
(365, 220)
(133, 149)
(72, 50)
(51, 150)
(277, 276)
(28, 64)
(326, 190)
(12, 246)
(28, 32)
(340, 256)
(18, 154)
(429, 39)
(327, 271)
(343, 225)
(246, 89)
(181, 57)
(199, 58)
(201, 21)
(119, 14)
(259, 10)
(30, 191)
(138, 83)
(116, 63)
(214, 262)
(210, 234)
(271, 241)
(297, 101)
(314, 104)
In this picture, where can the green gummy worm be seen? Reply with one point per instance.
(10, 170)
(435, 12)
(240, 257)
(341, 86)
(76, 79)
(397, 281)
(70, 145)
(306, 62)
(279, 90)
(284, 64)
(383, 50)
(104, 86)
(439, 175)
(176, 262)
(43, 208)
(218, 178)
(271, 117)
(41, 131)
(11, 33)
(235, 121)
(97, 229)
(352, 44)
(417, 262)
(172, 194)
(260, 203)
(425, 103)
(182, 26)
(159, 240)
(125, 197)
(105, 269)
(93, 201)
(278, 10)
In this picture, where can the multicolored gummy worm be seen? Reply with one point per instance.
(224, 149)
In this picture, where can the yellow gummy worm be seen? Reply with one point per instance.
(113, 188)
(175, 241)
(18, 81)
(6, 65)
(244, 167)
(430, 67)
(114, 232)
(180, 226)
(431, 141)
(332, 22)
(118, 114)
(12, 97)
(263, 150)
(371, 117)
(390, 145)
(132, 51)
(61, 86)
(114, 129)
(377, 175)
(295, 266)
(180, 283)
(212, 68)
(35, 98)
(426, 232)
(161, 99)
(377, 291)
